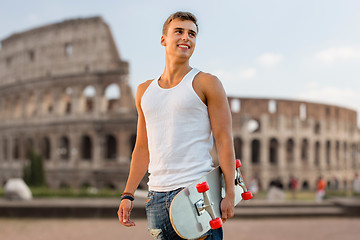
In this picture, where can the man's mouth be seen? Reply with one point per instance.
(183, 46)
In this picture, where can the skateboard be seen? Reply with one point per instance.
(196, 209)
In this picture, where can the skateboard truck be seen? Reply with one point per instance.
(246, 195)
(205, 205)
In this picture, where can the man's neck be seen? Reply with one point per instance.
(174, 72)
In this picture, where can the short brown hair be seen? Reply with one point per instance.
(183, 16)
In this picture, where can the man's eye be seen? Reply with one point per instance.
(178, 31)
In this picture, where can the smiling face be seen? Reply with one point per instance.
(180, 39)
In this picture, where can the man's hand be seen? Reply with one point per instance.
(124, 213)
(227, 208)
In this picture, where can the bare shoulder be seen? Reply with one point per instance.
(208, 82)
(141, 90)
(143, 86)
(207, 77)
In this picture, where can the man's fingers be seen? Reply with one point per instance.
(120, 215)
(224, 216)
(125, 216)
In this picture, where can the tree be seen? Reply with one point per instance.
(34, 172)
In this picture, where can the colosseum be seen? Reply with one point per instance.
(65, 94)
(280, 139)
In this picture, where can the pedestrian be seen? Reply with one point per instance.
(293, 187)
(356, 184)
(178, 115)
(320, 189)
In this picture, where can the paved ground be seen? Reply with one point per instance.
(108, 229)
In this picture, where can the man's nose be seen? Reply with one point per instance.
(185, 36)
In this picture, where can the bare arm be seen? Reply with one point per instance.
(139, 160)
(221, 124)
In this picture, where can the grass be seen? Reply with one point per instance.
(43, 192)
(308, 196)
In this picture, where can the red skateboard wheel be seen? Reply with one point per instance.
(202, 187)
(216, 223)
(246, 195)
(238, 163)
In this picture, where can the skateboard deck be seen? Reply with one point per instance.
(196, 209)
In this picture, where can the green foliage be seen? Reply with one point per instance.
(34, 172)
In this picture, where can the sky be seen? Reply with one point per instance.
(299, 50)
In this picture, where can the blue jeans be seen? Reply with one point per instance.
(157, 212)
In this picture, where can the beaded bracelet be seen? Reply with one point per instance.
(127, 193)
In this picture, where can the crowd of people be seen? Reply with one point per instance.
(276, 190)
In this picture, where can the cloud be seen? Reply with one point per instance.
(270, 59)
(248, 73)
(241, 74)
(332, 55)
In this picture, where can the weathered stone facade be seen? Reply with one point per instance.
(54, 98)
(54, 82)
(282, 138)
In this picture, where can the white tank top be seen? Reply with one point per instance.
(179, 134)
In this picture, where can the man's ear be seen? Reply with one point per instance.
(162, 41)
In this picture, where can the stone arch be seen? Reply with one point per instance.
(16, 149)
(305, 185)
(290, 150)
(8, 108)
(303, 111)
(87, 100)
(253, 126)
(317, 154)
(47, 103)
(112, 96)
(337, 154)
(64, 148)
(46, 148)
(30, 105)
(273, 151)
(29, 146)
(110, 147)
(328, 153)
(66, 101)
(238, 147)
(272, 106)
(5, 149)
(18, 108)
(235, 105)
(255, 151)
(317, 128)
(345, 152)
(304, 150)
(353, 156)
(86, 147)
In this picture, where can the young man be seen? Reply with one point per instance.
(178, 114)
